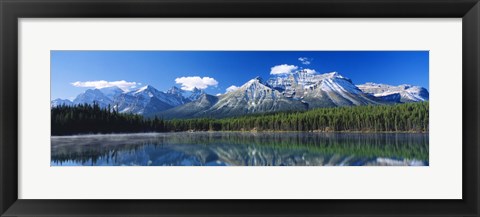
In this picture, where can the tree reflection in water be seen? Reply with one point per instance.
(242, 149)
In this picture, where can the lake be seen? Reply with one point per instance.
(242, 149)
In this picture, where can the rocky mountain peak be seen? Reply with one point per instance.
(175, 91)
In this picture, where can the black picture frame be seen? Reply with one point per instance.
(12, 10)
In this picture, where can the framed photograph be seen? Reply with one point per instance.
(299, 116)
(228, 108)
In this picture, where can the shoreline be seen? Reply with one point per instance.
(252, 132)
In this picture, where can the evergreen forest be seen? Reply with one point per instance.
(92, 119)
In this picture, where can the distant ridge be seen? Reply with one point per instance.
(297, 91)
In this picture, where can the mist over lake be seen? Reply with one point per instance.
(240, 108)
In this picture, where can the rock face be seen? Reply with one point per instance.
(401, 93)
(252, 97)
(321, 90)
(195, 94)
(91, 96)
(148, 100)
(196, 108)
(296, 91)
(145, 100)
(111, 92)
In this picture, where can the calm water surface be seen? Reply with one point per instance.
(241, 149)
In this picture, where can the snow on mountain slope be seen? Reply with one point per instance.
(342, 92)
(192, 109)
(294, 84)
(253, 97)
(150, 91)
(59, 102)
(408, 93)
(93, 95)
(146, 100)
(104, 96)
(178, 95)
(320, 90)
(297, 91)
(111, 92)
(195, 94)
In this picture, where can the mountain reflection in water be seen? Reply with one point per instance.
(241, 149)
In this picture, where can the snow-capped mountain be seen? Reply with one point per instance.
(294, 84)
(144, 100)
(195, 94)
(297, 91)
(104, 96)
(111, 92)
(402, 93)
(320, 90)
(196, 108)
(93, 95)
(252, 97)
(175, 91)
(150, 91)
(147, 100)
(59, 102)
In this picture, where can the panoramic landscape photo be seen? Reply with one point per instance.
(239, 108)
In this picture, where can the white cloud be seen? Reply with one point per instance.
(310, 71)
(232, 88)
(305, 60)
(218, 94)
(283, 69)
(124, 85)
(188, 83)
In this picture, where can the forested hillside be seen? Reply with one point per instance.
(86, 119)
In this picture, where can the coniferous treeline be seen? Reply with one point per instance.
(81, 119)
(86, 119)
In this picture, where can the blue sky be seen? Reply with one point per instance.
(72, 72)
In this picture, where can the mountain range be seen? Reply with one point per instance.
(297, 91)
